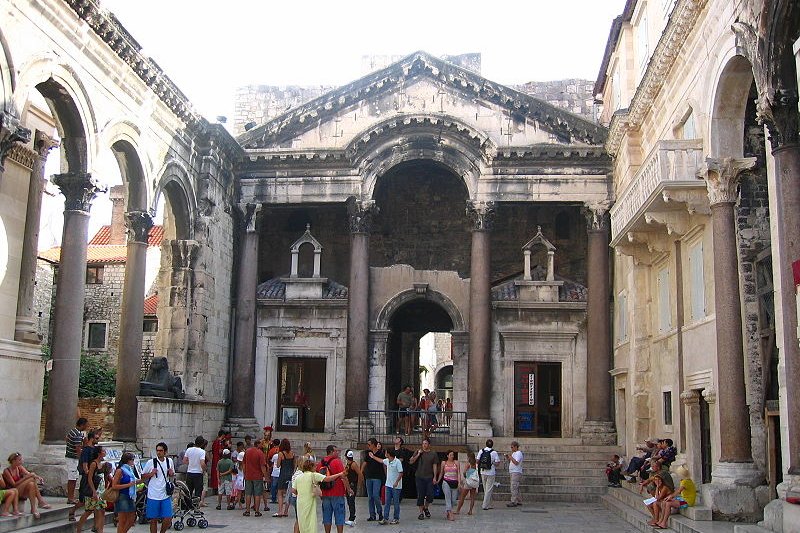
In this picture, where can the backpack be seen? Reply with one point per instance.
(485, 462)
(323, 469)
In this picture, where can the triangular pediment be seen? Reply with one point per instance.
(421, 85)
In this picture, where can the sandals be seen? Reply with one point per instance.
(258, 514)
(246, 513)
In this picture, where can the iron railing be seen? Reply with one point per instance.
(443, 428)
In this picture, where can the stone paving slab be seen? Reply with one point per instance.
(531, 517)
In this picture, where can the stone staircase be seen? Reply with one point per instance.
(554, 470)
(627, 503)
(53, 520)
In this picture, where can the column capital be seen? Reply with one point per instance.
(138, 224)
(78, 188)
(778, 112)
(596, 215)
(690, 397)
(11, 134)
(722, 177)
(710, 395)
(360, 213)
(482, 214)
(43, 143)
(251, 212)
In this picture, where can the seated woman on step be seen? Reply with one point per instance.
(27, 483)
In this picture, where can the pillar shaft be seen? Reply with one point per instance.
(360, 218)
(786, 217)
(130, 334)
(30, 243)
(734, 417)
(480, 325)
(245, 343)
(598, 380)
(62, 401)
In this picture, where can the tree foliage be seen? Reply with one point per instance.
(97, 375)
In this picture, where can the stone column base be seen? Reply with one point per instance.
(599, 433)
(50, 463)
(736, 492)
(26, 330)
(479, 427)
(240, 427)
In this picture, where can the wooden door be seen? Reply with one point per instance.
(537, 399)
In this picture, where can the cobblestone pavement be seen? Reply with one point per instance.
(531, 517)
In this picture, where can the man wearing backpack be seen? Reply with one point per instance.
(487, 461)
(333, 497)
(159, 501)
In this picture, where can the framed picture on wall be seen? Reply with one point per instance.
(290, 416)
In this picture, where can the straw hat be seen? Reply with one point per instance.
(682, 471)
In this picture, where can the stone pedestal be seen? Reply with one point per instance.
(239, 427)
(479, 427)
(50, 463)
(599, 433)
(736, 492)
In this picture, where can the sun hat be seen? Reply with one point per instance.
(240, 457)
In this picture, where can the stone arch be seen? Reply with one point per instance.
(7, 73)
(69, 103)
(382, 321)
(443, 139)
(123, 138)
(177, 189)
(728, 106)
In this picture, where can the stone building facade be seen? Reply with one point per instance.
(700, 97)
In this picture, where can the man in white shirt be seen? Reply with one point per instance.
(195, 459)
(488, 472)
(159, 504)
(515, 469)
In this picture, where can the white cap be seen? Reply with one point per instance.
(226, 451)
(350, 454)
(240, 457)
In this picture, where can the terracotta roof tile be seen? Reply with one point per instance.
(150, 305)
(103, 235)
(99, 251)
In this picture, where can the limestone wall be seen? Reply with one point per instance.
(44, 295)
(573, 95)
(175, 422)
(21, 379)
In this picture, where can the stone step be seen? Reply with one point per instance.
(529, 480)
(64, 526)
(629, 494)
(52, 520)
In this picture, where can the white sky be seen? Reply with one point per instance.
(209, 48)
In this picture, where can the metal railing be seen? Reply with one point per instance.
(443, 428)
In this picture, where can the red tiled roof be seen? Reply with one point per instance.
(150, 305)
(103, 236)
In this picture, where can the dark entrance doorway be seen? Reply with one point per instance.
(301, 394)
(537, 399)
(408, 325)
(705, 440)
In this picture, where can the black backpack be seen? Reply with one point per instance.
(485, 462)
(323, 469)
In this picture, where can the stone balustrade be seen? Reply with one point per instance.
(671, 164)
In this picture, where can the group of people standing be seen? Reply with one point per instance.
(428, 412)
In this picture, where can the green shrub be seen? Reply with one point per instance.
(97, 376)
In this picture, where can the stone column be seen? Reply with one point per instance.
(376, 395)
(26, 329)
(691, 402)
(79, 190)
(598, 427)
(130, 331)
(360, 217)
(479, 394)
(242, 410)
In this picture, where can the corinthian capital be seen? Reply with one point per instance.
(360, 213)
(138, 224)
(79, 190)
(251, 212)
(481, 214)
(43, 143)
(595, 213)
(722, 177)
(11, 134)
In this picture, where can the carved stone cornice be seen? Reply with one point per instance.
(774, 70)
(251, 217)
(360, 213)
(722, 177)
(79, 190)
(482, 215)
(597, 216)
(696, 200)
(676, 222)
(565, 125)
(138, 224)
(690, 397)
(11, 135)
(106, 26)
(681, 23)
(634, 246)
(22, 155)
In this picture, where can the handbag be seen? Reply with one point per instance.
(473, 480)
(316, 490)
(170, 486)
(111, 495)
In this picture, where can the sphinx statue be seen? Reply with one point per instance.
(159, 382)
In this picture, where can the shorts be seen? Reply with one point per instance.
(2, 495)
(253, 487)
(72, 469)
(225, 488)
(124, 503)
(333, 505)
(683, 505)
(91, 504)
(158, 509)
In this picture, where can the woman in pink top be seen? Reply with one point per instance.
(449, 475)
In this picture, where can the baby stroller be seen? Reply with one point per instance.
(185, 507)
(141, 506)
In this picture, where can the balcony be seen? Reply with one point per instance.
(671, 166)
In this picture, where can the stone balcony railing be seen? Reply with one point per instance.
(671, 164)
